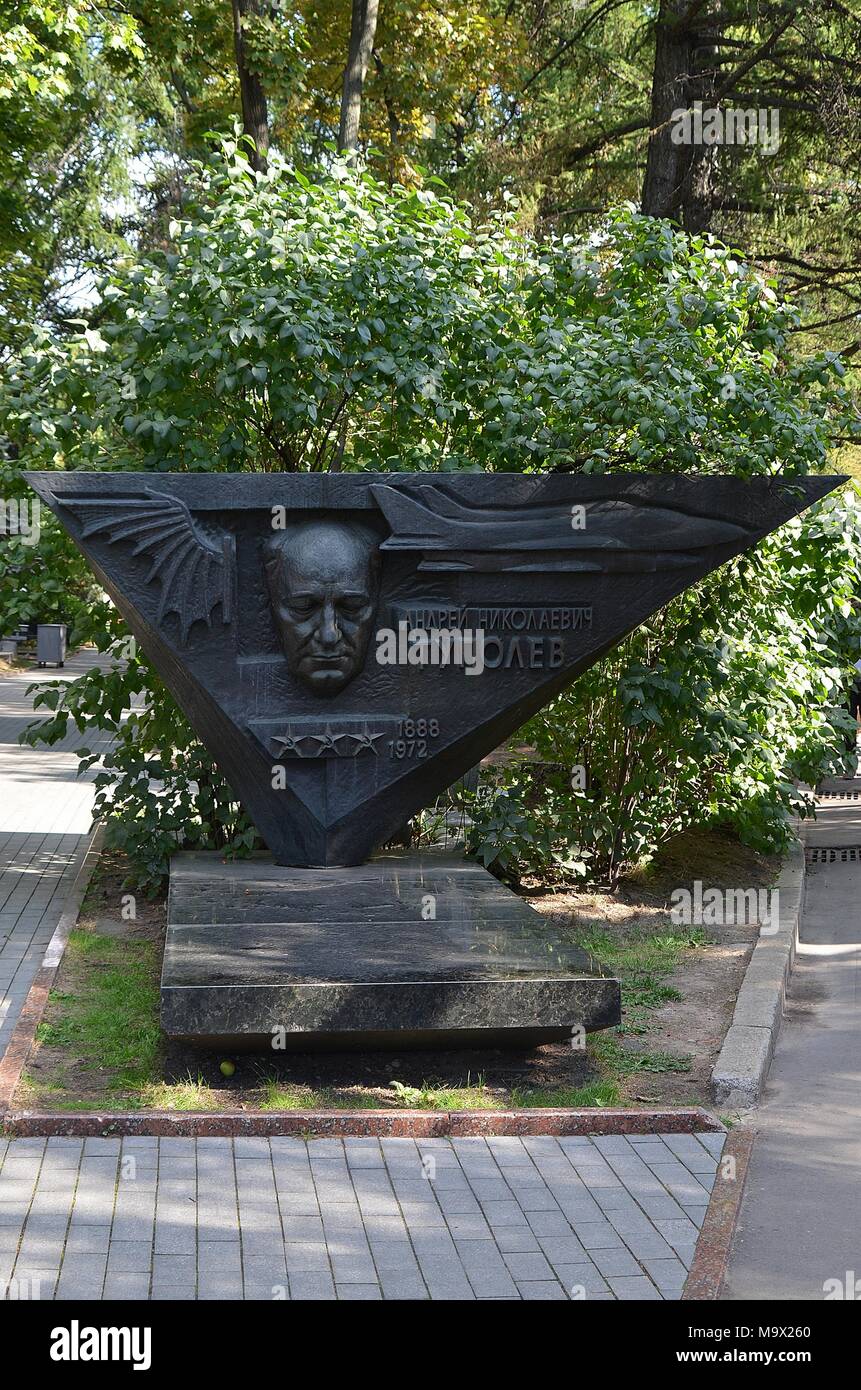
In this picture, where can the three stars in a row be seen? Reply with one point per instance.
(328, 741)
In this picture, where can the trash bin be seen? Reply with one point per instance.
(51, 643)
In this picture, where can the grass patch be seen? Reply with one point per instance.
(596, 1093)
(191, 1094)
(642, 963)
(277, 1096)
(110, 1022)
(616, 1059)
(33, 1094)
(440, 1097)
(645, 959)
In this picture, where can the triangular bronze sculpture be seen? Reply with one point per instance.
(284, 613)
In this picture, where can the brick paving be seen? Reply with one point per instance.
(460, 1219)
(45, 816)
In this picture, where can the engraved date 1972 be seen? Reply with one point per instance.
(413, 737)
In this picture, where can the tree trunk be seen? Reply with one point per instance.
(255, 116)
(363, 29)
(680, 176)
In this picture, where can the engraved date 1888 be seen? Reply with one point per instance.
(413, 738)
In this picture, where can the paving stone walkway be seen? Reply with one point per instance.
(45, 816)
(461, 1219)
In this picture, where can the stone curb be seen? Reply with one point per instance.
(741, 1069)
(707, 1273)
(415, 1124)
(18, 1048)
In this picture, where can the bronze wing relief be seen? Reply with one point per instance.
(194, 570)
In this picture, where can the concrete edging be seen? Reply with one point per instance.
(413, 1124)
(741, 1069)
(707, 1273)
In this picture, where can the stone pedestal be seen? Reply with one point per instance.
(407, 951)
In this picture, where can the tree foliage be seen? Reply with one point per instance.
(587, 123)
(301, 322)
(64, 143)
(565, 104)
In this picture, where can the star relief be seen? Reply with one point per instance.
(289, 744)
(328, 741)
(365, 740)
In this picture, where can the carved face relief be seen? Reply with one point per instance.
(323, 579)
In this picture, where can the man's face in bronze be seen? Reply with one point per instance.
(323, 579)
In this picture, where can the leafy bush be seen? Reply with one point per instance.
(332, 322)
(297, 324)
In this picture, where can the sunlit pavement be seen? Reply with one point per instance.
(45, 817)
(460, 1219)
(800, 1221)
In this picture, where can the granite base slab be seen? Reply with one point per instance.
(409, 950)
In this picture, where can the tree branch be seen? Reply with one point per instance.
(581, 152)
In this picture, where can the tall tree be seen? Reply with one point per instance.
(68, 80)
(589, 122)
(363, 29)
(255, 113)
(679, 178)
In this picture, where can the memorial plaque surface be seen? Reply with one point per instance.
(343, 958)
